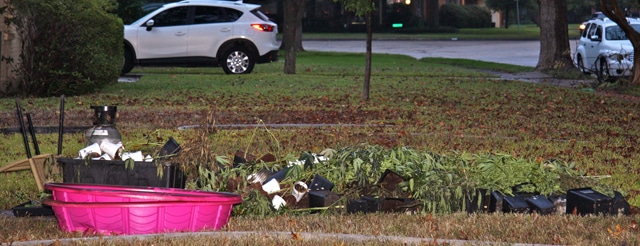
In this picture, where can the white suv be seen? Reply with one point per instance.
(605, 50)
(233, 35)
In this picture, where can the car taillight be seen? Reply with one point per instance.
(263, 27)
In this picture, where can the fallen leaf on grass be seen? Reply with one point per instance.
(296, 236)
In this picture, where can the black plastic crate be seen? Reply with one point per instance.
(587, 201)
(115, 173)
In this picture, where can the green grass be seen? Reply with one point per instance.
(436, 105)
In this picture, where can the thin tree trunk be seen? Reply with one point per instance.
(289, 35)
(301, 9)
(367, 67)
(611, 9)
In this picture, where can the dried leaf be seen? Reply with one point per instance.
(296, 236)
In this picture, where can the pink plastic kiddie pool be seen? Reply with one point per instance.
(118, 210)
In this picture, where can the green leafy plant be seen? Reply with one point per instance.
(441, 184)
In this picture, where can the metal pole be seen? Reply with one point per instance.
(518, 13)
(23, 129)
(61, 125)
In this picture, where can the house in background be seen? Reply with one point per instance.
(329, 14)
(9, 48)
(429, 9)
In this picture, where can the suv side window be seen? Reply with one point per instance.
(615, 33)
(586, 30)
(599, 31)
(207, 15)
(595, 29)
(171, 17)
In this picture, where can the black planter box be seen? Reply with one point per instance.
(541, 205)
(357, 206)
(322, 198)
(320, 183)
(395, 205)
(479, 201)
(587, 201)
(365, 204)
(515, 204)
(30, 208)
(115, 173)
(374, 204)
(495, 202)
(619, 205)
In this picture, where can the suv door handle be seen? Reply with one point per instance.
(225, 29)
(180, 34)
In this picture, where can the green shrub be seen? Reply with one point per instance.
(69, 47)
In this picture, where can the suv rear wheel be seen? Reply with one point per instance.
(238, 60)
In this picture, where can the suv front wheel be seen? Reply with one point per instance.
(238, 60)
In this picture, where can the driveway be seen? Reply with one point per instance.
(519, 52)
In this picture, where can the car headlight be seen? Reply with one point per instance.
(619, 57)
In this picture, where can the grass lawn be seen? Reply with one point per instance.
(431, 105)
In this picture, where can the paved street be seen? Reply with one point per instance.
(524, 53)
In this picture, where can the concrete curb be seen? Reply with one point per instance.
(302, 236)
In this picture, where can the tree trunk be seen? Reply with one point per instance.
(555, 52)
(367, 67)
(291, 14)
(611, 9)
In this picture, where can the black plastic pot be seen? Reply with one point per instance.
(31, 208)
(104, 115)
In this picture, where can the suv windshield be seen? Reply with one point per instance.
(616, 33)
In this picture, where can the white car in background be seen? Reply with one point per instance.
(230, 34)
(605, 50)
